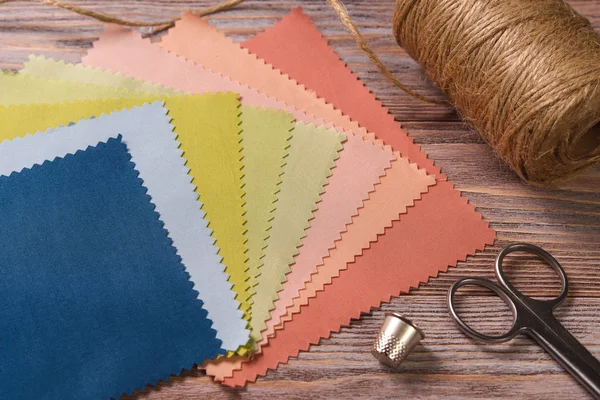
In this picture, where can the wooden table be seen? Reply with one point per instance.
(564, 221)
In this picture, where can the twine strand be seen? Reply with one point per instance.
(158, 26)
(342, 13)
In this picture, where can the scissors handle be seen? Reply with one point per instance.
(501, 291)
(568, 352)
(534, 318)
(537, 305)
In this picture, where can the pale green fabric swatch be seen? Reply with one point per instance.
(266, 138)
(312, 155)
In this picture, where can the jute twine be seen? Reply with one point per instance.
(157, 27)
(524, 73)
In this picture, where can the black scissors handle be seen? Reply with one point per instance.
(534, 318)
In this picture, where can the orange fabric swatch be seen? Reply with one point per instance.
(441, 229)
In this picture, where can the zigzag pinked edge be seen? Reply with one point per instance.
(295, 308)
(350, 219)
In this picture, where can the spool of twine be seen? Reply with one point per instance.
(524, 73)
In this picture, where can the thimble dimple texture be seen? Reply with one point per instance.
(390, 350)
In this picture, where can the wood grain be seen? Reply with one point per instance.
(565, 221)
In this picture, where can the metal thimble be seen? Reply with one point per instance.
(397, 337)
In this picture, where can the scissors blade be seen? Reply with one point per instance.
(565, 349)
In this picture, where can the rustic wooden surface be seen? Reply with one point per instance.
(565, 221)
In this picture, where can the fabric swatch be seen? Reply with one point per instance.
(311, 157)
(155, 150)
(266, 139)
(20, 89)
(78, 319)
(265, 135)
(441, 229)
(357, 170)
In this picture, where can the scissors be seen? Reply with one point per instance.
(535, 319)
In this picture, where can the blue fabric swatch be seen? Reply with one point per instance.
(95, 301)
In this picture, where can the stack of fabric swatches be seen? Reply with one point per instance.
(200, 202)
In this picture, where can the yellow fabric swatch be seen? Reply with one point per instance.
(17, 90)
(214, 158)
(312, 155)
